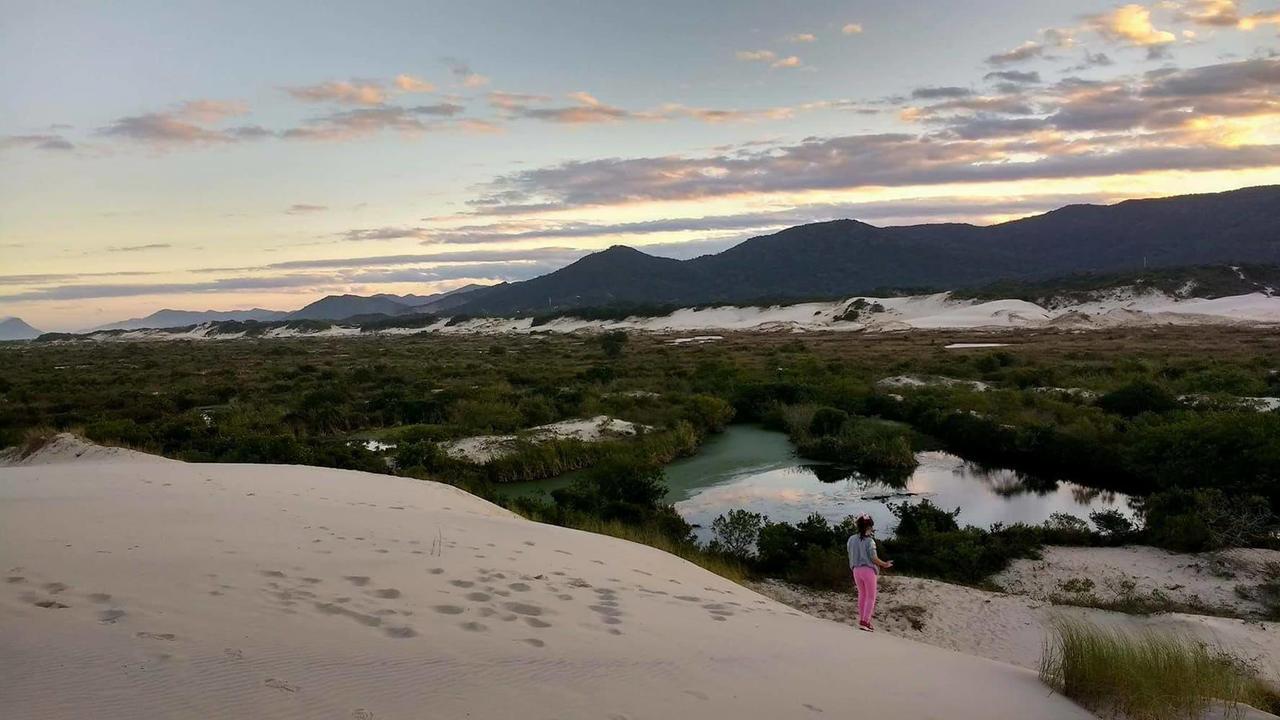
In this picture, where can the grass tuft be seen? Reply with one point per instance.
(1147, 675)
(724, 567)
(34, 440)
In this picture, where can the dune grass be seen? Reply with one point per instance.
(1147, 675)
(724, 567)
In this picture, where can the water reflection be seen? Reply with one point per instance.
(755, 469)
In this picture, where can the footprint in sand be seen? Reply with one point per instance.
(696, 693)
(99, 597)
(535, 642)
(523, 608)
(478, 597)
(536, 623)
(814, 708)
(361, 714)
(387, 593)
(400, 632)
(13, 579)
(436, 571)
(280, 685)
(54, 588)
(474, 627)
(51, 605)
(519, 587)
(156, 636)
(449, 609)
(357, 580)
(462, 583)
(110, 616)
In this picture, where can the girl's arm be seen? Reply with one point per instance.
(875, 558)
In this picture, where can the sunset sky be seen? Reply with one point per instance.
(228, 155)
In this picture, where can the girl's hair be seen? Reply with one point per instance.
(864, 524)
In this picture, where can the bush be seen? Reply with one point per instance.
(870, 447)
(1111, 523)
(1204, 519)
(1136, 398)
(1145, 676)
(827, 421)
(736, 532)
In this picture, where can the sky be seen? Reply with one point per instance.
(230, 155)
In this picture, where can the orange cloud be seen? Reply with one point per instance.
(347, 93)
(409, 83)
(1130, 24)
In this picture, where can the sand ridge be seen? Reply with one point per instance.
(136, 588)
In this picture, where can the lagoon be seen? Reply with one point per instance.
(755, 469)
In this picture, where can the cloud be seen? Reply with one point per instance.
(801, 38)
(44, 278)
(1092, 60)
(1028, 50)
(456, 256)
(361, 122)
(936, 93)
(1259, 19)
(1257, 76)
(188, 123)
(1129, 25)
(756, 55)
(588, 109)
(304, 209)
(137, 248)
(791, 61)
(210, 111)
(852, 29)
(39, 142)
(1212, 13)
(1017, 77)
(464, 75)
(384, 233)
(356, 92)
(859, 161)
(411, 84)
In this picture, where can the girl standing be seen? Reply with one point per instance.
(865, 566)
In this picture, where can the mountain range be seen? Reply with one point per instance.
(843, 258)
(333, 307)
(847, 257)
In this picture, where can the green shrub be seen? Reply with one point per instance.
(827, 421)
(1138, 397)
(1204, 519)
(736, 532)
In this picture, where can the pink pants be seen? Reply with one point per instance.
(865, 578)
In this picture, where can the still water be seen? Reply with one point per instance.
(755, 469)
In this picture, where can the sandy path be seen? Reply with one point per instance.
(142, 588)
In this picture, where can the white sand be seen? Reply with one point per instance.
(1010, 626)
(481, 449)
(1117, 307)
(200, 591)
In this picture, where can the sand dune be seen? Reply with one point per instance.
(158, 589)
(1122, 307)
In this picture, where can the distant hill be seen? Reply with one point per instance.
(16, 329)
(340, 307)
(847, 257)
(183, 318)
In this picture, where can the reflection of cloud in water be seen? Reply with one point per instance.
(984, 495)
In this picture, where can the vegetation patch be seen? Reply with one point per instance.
(1146, 676)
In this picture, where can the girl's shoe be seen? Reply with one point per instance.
(866, 626)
